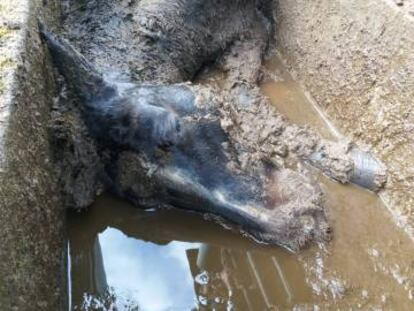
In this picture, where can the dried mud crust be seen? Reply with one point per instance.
(253, 122)
(259, 134)
(79, 165)
(161, 41)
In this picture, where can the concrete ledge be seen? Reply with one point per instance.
(32, 255)
(356, 59)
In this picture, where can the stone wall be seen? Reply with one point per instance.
(32, 250)
(356, 59)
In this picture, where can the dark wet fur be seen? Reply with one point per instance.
(146, 124)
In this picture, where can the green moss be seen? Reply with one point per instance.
(2, 86)
(6, 62)
(5, 32)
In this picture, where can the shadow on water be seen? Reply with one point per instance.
(171, 260)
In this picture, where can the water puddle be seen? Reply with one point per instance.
(368, 263)
(172, 260)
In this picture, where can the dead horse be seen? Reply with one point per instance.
(171, 149)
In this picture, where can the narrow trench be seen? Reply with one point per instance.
(172, 260)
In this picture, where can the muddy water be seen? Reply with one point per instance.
(171, 260)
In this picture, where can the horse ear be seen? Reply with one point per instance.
(80, 74)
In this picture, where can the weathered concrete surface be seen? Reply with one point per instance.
(32, 252)
(356, 60)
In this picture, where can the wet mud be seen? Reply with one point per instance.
(367, 265)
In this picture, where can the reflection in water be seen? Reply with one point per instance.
(169, 260)
(135, 268)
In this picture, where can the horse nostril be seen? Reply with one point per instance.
(308, 222)
(328, 231)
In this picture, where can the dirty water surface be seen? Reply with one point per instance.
(124, 258)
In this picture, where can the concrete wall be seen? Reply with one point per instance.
(356, 59)
(32, 248)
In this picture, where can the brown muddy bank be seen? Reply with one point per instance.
(355, 59)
